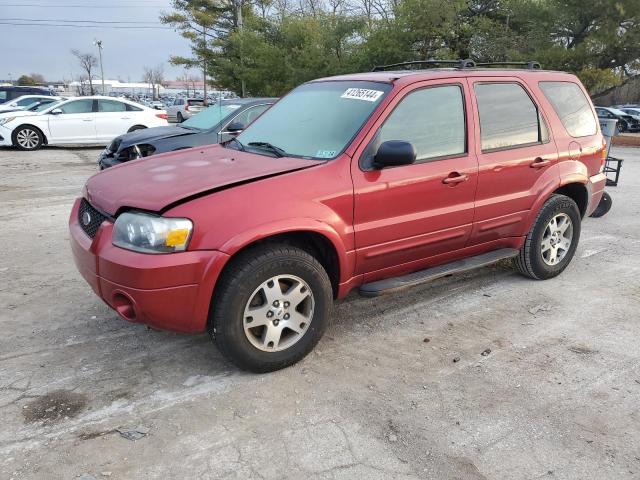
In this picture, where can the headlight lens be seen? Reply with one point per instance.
(6, 120)
(147, 233)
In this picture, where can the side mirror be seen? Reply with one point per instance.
(55, 111)
(234, 128)
(393, 153)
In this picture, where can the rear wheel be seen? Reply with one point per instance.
(604, 206)
(27, 138)
(271, 307)
(180, 118)
(552, 241)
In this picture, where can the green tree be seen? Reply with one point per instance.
(26, 80)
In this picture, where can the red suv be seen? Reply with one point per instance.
(377, 181)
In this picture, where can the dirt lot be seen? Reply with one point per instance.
(397, 389)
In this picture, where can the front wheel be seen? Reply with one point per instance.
(552, 241)
(27, 138)
(272, 306)
(180, 118)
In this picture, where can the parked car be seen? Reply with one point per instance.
(378, 181)
(633, 111)
(25, 102)
(626, 122)
(216, 124)
(8, 93)
(183, 108)
(84, 120)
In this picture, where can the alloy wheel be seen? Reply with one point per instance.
(27, 138)
(278, 313)
(556, 239)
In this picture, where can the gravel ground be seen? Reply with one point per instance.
(397, 389)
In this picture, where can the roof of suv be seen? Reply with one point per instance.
(411, 76)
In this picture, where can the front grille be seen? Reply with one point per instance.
(89, 218)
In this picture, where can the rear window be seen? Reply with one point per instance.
(571, 105)
(199, 103)
(508, 116)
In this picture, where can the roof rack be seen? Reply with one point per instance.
(461, 64)
(531, 65)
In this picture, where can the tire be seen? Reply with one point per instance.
(247, 287)
(603, 207)
(27, 138)
(536, 258)
(136, 127)
(180, 118)
(620, 127)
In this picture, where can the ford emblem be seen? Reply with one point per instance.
(86, 218)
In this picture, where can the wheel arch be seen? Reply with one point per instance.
(578, 192)
(45, 141)
(137, 127)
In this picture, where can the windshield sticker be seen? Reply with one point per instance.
(326, 153)
(362, 94)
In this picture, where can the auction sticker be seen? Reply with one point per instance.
(362, 94)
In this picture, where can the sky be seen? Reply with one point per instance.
(47, 49)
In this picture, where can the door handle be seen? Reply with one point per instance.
(125, 118)
(539, 163)
(87, 119)
(454, 178)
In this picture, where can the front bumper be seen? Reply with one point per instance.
(5, 136)
(170, 292)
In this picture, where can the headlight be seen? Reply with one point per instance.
(146, 233)
(6, 120)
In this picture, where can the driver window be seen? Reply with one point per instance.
(77, 106)
(432, 120)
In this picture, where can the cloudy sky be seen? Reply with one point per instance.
(37, 46)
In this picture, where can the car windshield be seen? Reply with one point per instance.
(316, 120)
(46, 106)
(210, 117)
(615, 111)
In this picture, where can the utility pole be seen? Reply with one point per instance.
(99, 44)
(204, 64)
(238, 4)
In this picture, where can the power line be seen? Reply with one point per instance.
(74, 21)
(42, 5)
(82, 26)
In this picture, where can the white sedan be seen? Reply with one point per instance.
(21, 103)
(84, 120)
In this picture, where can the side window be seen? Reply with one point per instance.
(3, 96)
(571, 105)
(131, 108)
(78, 106)
(23, 102)
(508, 116)
(111, 106)
(432, 119)
(249, 115)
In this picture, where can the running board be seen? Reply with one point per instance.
(390, 285)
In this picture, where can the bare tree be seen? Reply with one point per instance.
(154, 77)
(38, 78)
(87, 62)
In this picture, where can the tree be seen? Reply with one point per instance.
(26, 80)
(38, 78)
(87, 62)
(154, 77)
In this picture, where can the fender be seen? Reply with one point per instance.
(346, 259)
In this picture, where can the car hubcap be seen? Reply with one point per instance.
(27, 138)
(556, 239)
(278, 313)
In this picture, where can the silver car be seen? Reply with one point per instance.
(183, 108)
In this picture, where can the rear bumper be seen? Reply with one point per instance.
(597, 184)
(170, 292)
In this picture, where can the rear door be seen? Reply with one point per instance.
(112, 119)
(406, 214)
(76, 123)
(516, 157)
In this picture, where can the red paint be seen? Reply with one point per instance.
(380, 223)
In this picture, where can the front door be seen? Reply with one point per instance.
(408, 213)
(76, 123)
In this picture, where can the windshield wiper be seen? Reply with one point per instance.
(267, 146)
(237, 142)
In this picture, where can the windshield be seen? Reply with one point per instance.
(615, 111)
(210, 117)
(46, 106)
(316, 120)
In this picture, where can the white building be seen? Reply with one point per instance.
(114, 86)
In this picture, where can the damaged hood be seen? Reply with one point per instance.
(156, 182)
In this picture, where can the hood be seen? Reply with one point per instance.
(159, 181)
(147, 135)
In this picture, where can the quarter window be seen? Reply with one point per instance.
(508, 116)
(77, 106)
(571, 105)
(432, 120)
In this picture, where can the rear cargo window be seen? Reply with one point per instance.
(508, 116)
(199, 103)
(572, 107)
